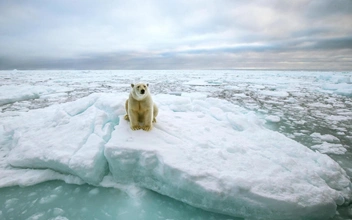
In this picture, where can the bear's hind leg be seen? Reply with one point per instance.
(155, 112)
(126, 107)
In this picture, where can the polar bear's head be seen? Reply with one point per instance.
(140, 91)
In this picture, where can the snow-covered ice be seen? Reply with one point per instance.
(207, 153)
(272, 118)
(211, 147)
(69, 138)
(325, 137)
(11, 93)
(226, 162)
(326, 147)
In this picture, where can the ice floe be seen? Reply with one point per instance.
(205, 152)
(330, 148)
(273, 118)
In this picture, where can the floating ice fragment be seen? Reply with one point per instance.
(94, 191)
(273, 118)
(329, 148)
(325, 137)
(274, 93)
(47, 199)
(58, 211)
(202, 82)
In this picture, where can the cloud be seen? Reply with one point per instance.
(175, 34)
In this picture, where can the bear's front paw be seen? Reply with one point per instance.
(126, 117)
(154, 120)
(136, 127)
(147, 128)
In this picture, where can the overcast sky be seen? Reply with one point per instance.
(176, 34)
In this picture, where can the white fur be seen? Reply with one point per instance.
(140, 109)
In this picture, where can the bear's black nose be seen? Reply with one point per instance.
(142, 91)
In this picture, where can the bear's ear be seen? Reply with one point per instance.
(147, 84)
(132, 85)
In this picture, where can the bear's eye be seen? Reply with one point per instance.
(138, 87)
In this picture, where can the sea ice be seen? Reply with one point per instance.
(329, 148)
(275, 93)
(225, 162)
(273, 118)
(201, 82)
(68, 138)
(325, 137)
(13, 93)
(9, 94)
(205, 152)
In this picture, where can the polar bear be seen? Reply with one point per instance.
(140, 108)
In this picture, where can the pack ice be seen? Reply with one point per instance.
(205, 152)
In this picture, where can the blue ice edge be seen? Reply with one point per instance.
(207, 153)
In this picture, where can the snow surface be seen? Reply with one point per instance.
(208, 153)
(83, 124)
(211, 148)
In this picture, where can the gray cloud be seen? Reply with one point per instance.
(174, 34)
